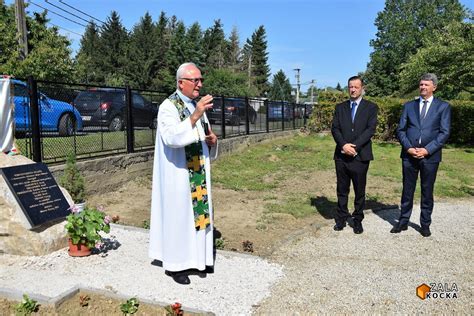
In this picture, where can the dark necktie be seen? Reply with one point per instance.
(353, 110)
(423, 109)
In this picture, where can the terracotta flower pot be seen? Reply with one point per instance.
(78, 250)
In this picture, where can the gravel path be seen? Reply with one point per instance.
(322, 271)
(377, 272)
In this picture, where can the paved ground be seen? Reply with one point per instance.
(378, 272)
(321, 271)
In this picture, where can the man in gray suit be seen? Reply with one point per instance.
(423, 130)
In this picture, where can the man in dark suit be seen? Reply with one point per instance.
(423, 130)
(353, 126)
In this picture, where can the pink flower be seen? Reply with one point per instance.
(99, 244)
(107, 219)
(74, 209)
(101, 208)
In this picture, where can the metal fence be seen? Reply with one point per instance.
(54, 119)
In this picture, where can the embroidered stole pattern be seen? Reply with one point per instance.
(197, 171)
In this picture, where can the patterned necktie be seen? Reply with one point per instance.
(423, 109)
(353, 110)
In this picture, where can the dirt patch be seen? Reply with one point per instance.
(239, 216)
(87, 303)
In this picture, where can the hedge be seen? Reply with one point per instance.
(462, 120)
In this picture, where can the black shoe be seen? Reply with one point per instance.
(179, 277)
(425, 232)
(398, 229)
(358, 229)
(338, 227)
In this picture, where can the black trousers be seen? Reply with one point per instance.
(411, 168)
(347, 171)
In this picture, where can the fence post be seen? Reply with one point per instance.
(34, 118)
(304, 115)
(282, 115)
(294, 115)
(267, 110)
(223, 118)
(129, 120)
(247, 126)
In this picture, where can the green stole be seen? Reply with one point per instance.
(197, 171)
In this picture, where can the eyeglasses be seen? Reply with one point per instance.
(194, 80)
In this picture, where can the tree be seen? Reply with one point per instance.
(88, 56)
(255, 59)
(194, 51)
(49, 55)
(215, 45)
(280, 88)
(401, 28)
(338, 87)
(113, 50)
(233, 50)
(141, 68)
(450, 55)
(228, 83)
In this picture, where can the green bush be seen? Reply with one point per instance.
(72, 180)
(390, 109)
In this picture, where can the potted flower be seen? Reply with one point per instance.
(73, 182)
(83, 229)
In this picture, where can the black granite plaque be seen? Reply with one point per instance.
(37, 192)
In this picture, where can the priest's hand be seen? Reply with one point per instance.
(202, 106)
(211, 139)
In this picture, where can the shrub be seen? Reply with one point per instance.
(72, 180)
(390, 110)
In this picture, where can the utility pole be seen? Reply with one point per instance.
(312, 86)
(297, 84)
(21, 28)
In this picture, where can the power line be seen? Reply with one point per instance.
(66, 11)
(48, 10)
(81, 11)
(60, 27)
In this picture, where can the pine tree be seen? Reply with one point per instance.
(141, 68)
(113, 49)
(256, 59)
(280, 88)
(233, 50)
(194, 52)
(88, 56)
(214, 44)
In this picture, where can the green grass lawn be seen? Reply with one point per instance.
(90, 144)
(269, 166)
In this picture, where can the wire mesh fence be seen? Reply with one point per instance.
(91, 121)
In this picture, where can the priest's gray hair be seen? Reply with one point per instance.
(430, 77)
(182, 69)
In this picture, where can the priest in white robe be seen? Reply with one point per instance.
(181, 224)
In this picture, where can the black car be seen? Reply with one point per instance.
(106, 107)
(234, 111)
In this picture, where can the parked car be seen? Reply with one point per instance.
(234, 111)
(275, 111)
(55, 116)
(106, 107)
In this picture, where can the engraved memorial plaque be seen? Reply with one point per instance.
(37, 192)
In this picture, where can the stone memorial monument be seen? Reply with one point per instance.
(32, 205)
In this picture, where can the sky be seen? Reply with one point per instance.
(328, 40)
